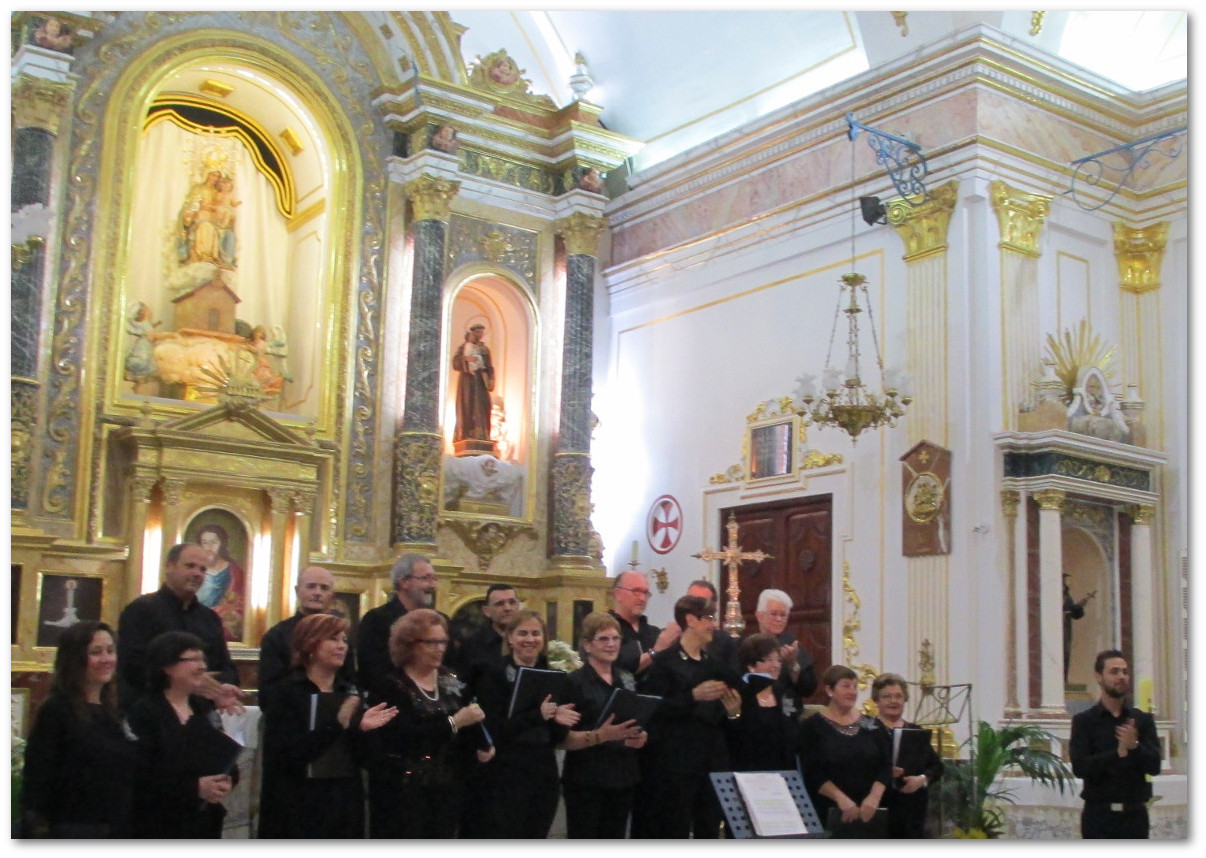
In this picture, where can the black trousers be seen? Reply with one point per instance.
(1098, 822)
(596, 813)
(684, 805)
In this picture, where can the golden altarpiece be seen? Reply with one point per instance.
(275, 262)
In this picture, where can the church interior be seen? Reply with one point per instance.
(897, 299)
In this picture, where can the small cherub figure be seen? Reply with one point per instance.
(53, 35)
(444, 140)
(591, 180)
(503, 71)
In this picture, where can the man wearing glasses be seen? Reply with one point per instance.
(414, 587)
(640, 638)
(798, 678)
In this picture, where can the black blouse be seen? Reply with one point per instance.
(854, 763)
(611, 765)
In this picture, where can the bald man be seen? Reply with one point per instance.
(315, 595)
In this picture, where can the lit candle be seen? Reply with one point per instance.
(634, 551)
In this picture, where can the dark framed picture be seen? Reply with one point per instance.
(772, 449)
(65, 599)
(347, 605)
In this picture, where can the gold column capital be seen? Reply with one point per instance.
(173, 491)
(923, 227)
(1020, 217)
(280, 499)
(1050, 498)
(1142, 514)
(1009, 502)
(431, 196)
(581, 233)
(1140, 253)
(39, 103)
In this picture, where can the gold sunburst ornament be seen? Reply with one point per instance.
(234, 382)
(1077, 349)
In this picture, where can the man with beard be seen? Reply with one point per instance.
(1113, 749)
(315, 595)
(414, 587)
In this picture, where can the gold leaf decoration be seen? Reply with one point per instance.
(1077, 349)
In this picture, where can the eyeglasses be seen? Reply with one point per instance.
(777, 615)
(199, 658)
(423, 578)
(635, 590)
(708, 618)
(772, 658)
(606, 639)
(435, 642)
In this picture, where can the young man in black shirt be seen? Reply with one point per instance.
(1114, 748)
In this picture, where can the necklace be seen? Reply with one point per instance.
(432, 696)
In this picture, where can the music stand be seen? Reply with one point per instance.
(738, 817)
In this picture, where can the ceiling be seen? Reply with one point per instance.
(674, 79)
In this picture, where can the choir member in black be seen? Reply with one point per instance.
(414, 582)
(907, 799)
(845, 756)
(295, 801)
(798, 679)
(521, 797)
(80, 762)
(179, 796)
(601, 769)
(174, 608)
(641, 639)
(422, 756)
(687, 732)
(763, 739)
(485, 647)
(315, 595)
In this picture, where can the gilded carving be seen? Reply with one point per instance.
(1009, 502)
(923, 227)
(475, 240)
(417, 482)
(280, 499)
(22, 401)
(732, 475)
(581, 233)
(1140, 254)
(508, 172)
(1050, 499)
(850, 625)
(141, 487)
(39, 103)
(431, 197)
(1077, 349)
(901, 20)
(303, 503)
(173, 491)
(498, 74)
(817, 459)
(488, 539)
(571, 504)
(1142, 514)
(1020, 217)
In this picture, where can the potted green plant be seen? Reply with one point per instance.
(972, 793)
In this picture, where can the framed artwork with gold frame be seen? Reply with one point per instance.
(771, 448)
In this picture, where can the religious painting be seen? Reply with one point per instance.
(772, 449)
(347, 605)
(926, 514)
(224, 536)
(226, 289)
(65, 599)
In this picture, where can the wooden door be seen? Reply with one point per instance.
(798, 536)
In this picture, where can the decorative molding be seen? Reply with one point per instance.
(1020, 217)
(581, 233)
(1010, 500)
(572, 530)
(473, 240)
(488, 539)
(1140, 255)
(923, 227)
(417, 461)
(1142, 514)
(850, 625)
(39, 103)
(431, 197)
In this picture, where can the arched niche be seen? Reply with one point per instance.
(507, 311)
(1088, 568)
(233, 184)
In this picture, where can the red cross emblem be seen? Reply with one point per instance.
(664, 525)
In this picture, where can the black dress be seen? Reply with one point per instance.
(686, 743)
(907, 811)
(419, 764)
(598, 782)
(166, 803)
(521, 788)
(854, 762)
(763, 739)
(291, 803)
(80, 770)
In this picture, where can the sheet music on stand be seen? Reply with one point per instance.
(737, 814)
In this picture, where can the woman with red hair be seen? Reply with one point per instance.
(313, 720)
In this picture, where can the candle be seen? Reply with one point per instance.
(634, 550)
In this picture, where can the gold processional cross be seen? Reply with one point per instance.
(731, 556)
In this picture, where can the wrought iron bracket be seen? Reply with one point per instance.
(903, 159)
(1093, 170)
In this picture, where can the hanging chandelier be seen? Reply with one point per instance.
(846, 402)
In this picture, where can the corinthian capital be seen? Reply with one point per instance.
(581, 233)
(431, 197)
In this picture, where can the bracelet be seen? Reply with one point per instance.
(735, 715)
(452, 724)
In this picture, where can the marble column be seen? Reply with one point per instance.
(1143, 609)
(1016, 594)
(419, 446)
(571, 525)
(923, 229)
(38, 106)
(1050, 620)
(1021, 218)
(1140, 257)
